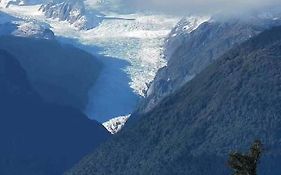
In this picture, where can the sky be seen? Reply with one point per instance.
(206, 6)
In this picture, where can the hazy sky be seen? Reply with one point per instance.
(206, 6)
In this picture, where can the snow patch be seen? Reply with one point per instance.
(34, 30)
(116, 124)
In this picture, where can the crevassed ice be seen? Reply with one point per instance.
(137, 38)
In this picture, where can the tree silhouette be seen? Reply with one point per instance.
(246, 164)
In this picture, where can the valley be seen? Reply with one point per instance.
(140, 87)
(130, 47)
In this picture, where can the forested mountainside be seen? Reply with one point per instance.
(39, 138)
(61, 74)
(232, 102)
(188, 53)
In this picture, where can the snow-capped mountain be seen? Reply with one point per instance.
(116, 124)
(7, 3)
(127, 71)
(24, 28)
(188, 53)
(72, 11)
(185, 26)
(176, 38)
(34, 30)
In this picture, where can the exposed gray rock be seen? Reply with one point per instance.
(74, 12)
(33, 30)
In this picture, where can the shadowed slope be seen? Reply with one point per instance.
(60, 74)
(38, 138)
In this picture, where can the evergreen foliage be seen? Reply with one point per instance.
(246, 164)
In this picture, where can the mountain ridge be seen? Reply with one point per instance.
(197, 50)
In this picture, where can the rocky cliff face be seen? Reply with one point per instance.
(72, 11)
(188, 53)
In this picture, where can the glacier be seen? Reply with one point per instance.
(130, 46)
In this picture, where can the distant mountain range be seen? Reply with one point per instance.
(232, 102)
(24, 28)
(73, 11)
(7, 3)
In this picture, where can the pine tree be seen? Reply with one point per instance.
(246, 164)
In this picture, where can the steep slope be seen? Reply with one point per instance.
(38, 138)
(60, 74)
(232, 102)
(188, 53)
(179, 33)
